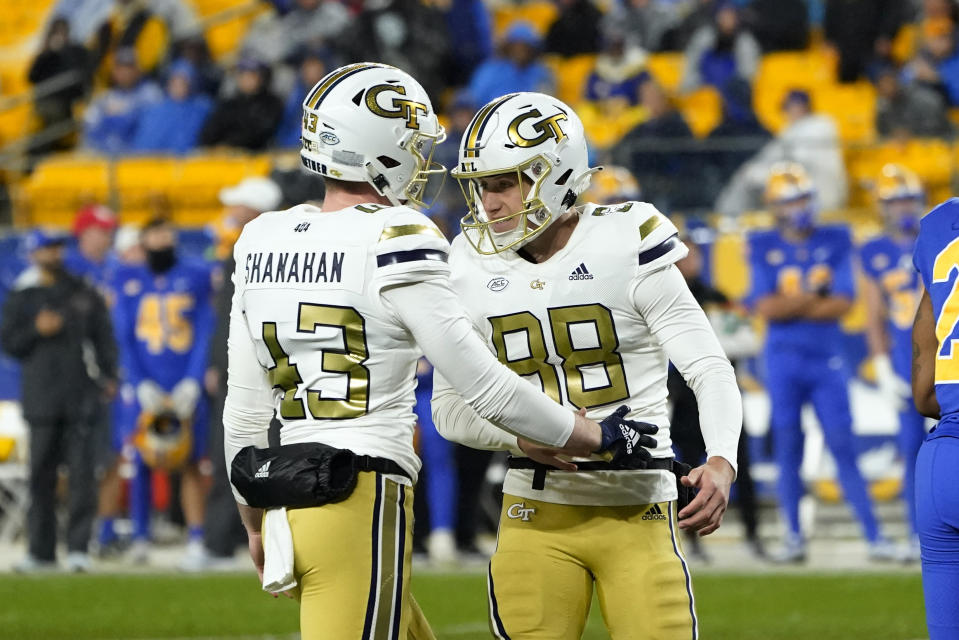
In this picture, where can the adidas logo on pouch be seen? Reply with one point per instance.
(264, 471)
(654, 513)
(581, 273)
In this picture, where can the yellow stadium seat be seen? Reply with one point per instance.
(540, 14)
(139, 182)
(730, 267)
(200, 178)
(62, 184)
(224, 38)
(853, 106)
(571, 75)
(667, 69)
(605, 126)
(702, 109)
(781, 72)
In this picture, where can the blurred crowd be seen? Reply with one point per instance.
(141, 77)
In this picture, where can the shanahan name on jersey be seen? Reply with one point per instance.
(308, 283)
(569, 326)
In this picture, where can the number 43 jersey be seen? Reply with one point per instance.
(569, 325)
(342, 367)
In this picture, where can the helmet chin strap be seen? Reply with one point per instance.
(382, 185)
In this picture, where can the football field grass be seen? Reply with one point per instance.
(786, 606)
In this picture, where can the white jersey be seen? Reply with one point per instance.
(342, 368)
(570, 325)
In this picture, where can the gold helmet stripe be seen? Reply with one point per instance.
(475, 130)
(316, 97)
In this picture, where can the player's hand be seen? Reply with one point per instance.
(713, 480)
(255, 543)
(184, 397)
(48, 323)
(626, 442)
(545, 455)
(891, 386)
(151, 397)
(211, 380)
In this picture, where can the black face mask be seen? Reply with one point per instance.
(161, 260)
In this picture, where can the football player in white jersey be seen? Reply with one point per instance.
(586, 303)
(332, 310)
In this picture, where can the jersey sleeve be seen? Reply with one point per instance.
(921, 254)
(659, 243)
(410, 249)
(867, 260)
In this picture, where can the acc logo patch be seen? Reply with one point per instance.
(497, 284)
(880, 262)
(520, 511)
(775, 257)
(400, 107)
(329, 138)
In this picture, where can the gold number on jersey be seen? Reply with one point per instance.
(535, 362)
(370, 208)
(575, 359)
(947, 364)
(903, 299)
(162, 324)
(283, 375)
(349, 361)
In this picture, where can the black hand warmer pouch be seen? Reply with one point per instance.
(309, 474)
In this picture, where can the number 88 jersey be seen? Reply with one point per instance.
(569, 326)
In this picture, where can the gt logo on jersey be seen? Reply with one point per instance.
(520, 511)
(548, 128)
(537, 284)
(401, 107)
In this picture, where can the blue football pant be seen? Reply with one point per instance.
(794, 379)
(912, 431)
(437, 454)
(937, 510)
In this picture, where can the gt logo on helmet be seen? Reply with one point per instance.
(402, 108)
(547, 127)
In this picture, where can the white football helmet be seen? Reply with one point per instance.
(536, 136)
(370, 122)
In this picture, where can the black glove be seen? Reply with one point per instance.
(627, 441)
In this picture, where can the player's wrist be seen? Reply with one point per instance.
(723, 466)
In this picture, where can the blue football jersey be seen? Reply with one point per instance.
(164, 322)
(937, 260)
(98, 274)
(889, 264)
(822, 262)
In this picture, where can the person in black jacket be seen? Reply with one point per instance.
(249, 118)
(60, 58)
(59, 329)
(738, 341)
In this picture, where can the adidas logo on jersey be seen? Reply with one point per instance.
(264, 471)
(654, 513)
(581, 273)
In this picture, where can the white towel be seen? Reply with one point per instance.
(278, 552)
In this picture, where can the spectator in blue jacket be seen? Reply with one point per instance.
(111, 120)
(313, 65)
(173, 124)
(517, 68)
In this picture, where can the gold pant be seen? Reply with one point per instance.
(549, 555)
(352, 565)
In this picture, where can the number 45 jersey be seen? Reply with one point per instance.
(343, 368)
(569, 326)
